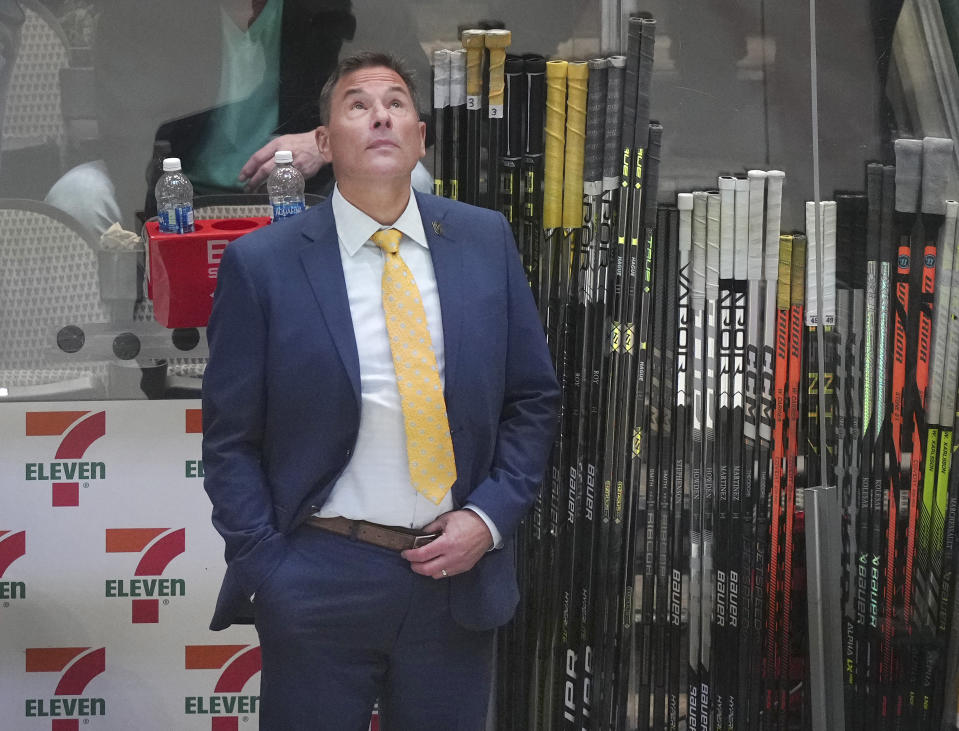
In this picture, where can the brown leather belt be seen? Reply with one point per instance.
(393, 537)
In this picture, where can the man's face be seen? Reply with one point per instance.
(374, 133)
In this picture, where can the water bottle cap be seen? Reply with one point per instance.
(171, 164)
(282, 156)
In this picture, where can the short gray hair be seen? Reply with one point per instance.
(365, 60)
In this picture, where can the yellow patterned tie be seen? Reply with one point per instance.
(428, 444)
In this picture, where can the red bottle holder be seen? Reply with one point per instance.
(183, 268)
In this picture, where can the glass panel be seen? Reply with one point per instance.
(95, 93)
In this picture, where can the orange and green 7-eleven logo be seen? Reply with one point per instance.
(77, 667)
(68, 469)
(238, 664)
(157, 548)
(13, 545)
(226, 704)
(193, 425)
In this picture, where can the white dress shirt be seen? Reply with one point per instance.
(375, 485)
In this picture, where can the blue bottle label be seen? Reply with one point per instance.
(285, 210)
(177, 220)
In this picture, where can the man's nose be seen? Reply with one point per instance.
(381, 117)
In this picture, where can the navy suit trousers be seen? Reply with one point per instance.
(343, 623)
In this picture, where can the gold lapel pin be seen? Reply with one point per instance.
(437, 228)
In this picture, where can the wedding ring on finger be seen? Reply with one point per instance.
(443, 572)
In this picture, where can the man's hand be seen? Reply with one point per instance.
(306, 158)
(464, 540)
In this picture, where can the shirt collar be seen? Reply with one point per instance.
(354, 228)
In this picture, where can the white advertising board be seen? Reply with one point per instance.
(109, 571)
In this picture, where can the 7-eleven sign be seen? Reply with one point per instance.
(68, 705)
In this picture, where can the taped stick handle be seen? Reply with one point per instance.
(515, 91)
(474, 42)
(940, 334)
(684, 204)
(497, 41)
(535, 67)
(441, 78)
(757, 209)
(555, 143)
(612, 141)
(644, 74)
(577, 75)
(457, 110)
(774, 204)
(821, 273)
(698, 256)
(727, 225)
(441, 103)
(630, 92)
(651, 184)
(908, 175)
(784, 291)
(713, 205)
(937, 167)
(950, 244)
(741, 236)
(458, 78)
(797, 294)
(595, 124)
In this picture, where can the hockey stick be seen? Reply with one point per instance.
(473, 42)
(496, 42)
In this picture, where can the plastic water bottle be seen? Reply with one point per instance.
(285, 186)
(174, 194)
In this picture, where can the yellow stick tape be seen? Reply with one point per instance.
(798, 270)
(553, 163)
(473, 42)
(785, 271)
(496, 43)
(577, 75)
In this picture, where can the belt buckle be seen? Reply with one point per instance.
(425, 539)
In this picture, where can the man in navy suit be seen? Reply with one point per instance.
(360, 586)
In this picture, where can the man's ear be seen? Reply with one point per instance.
(422, 139)
(323, 142)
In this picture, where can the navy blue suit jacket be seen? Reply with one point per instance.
(281, 393)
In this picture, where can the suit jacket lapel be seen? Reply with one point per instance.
(324, 269)
(447, 257)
